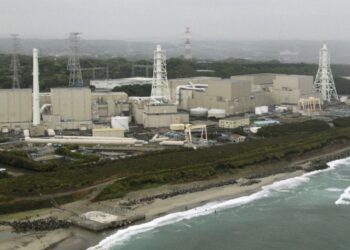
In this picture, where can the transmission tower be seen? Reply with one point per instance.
(160, 86)
(147, 68)
(75, 76)
(324, 82)
(188, 45)
(15, 65)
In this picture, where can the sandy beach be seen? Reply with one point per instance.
(76, 238)
(80, 239)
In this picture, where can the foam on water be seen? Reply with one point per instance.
(332, 189)
(280, 186)
(344, 198)
(124, 234)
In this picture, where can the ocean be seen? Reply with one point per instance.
(306, 212)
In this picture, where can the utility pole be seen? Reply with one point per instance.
(15, 65)
(75, 76)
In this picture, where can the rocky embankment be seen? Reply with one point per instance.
(23, 226)
(179, 192)
(321, 163)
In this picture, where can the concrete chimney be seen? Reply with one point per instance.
(36, 98)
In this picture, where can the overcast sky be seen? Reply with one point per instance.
(167, 19)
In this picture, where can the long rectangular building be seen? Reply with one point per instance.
(243, 93)
(16, 108)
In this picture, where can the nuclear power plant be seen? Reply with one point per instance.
(174, 105)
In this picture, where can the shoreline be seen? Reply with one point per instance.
(74, 238)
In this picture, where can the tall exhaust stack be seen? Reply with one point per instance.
(36, 98)
(160, 86)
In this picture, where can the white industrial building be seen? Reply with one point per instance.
(243, 93)
(79, 108)
(234, 122)
(62, 108)
(288, 89)
(15, 109)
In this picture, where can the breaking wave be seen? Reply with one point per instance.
(344, 198)
(123, 235)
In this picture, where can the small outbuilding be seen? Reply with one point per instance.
(234, 122)
(237, 138)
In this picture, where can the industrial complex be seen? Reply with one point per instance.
(88, 143)
(174, 106)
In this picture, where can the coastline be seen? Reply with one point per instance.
(81, 239)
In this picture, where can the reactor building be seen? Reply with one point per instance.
(171, 100)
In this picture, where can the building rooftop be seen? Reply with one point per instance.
(108, 129)
(235, 118)
(236, 136)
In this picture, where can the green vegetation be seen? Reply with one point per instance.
(342, 85)
(53, 70)
(135, 90)
(219, 158)
(19, 159)
(68, 151)
(4, 175)
(342, 122)
(172, 166)
(122, 187)
(8, 205)
(2, 140)
(224, 159)
(293, 128)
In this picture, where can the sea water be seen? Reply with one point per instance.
(307, 212)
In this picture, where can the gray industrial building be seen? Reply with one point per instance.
(156, 116)
(70, 109)
(288, 89)
(79, 108)
(62, 108)
(108, 104)
(15, 109)
(243, 93)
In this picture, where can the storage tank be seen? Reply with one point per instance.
(261, 110)
(120, 122)
(172, 143)
(199, 112)
(343, 99)
(51, 132)
(216, 113)
(4, 130)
